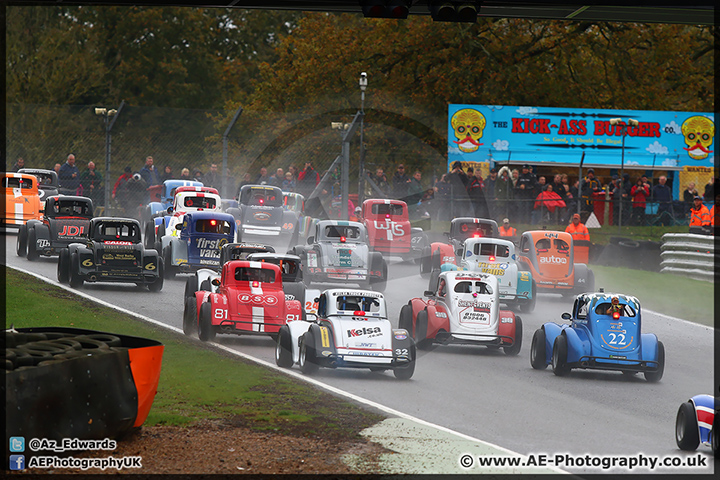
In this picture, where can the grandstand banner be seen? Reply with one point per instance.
(545, 135)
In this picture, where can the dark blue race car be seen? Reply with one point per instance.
(602, 336)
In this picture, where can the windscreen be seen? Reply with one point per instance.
(199, 202)
(14, 182)
(337, 231)
(249, 274)
(387, 209)
(259, 196)
(72, 208)
(481, 288)
(212, 225)
(358, 303)
(470, 229)
(119, 231)
(491, 249)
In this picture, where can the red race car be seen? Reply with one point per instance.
(389, 230)
(249, 300)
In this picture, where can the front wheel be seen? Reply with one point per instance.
(559, 356)
(283, 348)
(307, 360)
(191, 286)
(537, 350)
(206, 331)
(150, 234)
(76, 280)
(32, 253)
(406, 321)
(514, 349)
(657, 374)
(157, 285)
(169, 267)
(21, 244)
(421, 331)
(687, 436)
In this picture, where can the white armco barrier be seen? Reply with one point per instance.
(689, 255)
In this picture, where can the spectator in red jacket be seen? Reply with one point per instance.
(639, 192)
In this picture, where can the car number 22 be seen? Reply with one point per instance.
(615, 339)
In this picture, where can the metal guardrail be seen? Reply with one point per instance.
(690, 255)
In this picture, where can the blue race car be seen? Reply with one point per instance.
(196, 242)
(602, 337)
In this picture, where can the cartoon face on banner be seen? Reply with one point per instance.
(698, 132)
(468, 125)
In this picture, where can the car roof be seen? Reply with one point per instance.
(538, 234)
(607, 297)
(211, 214)
(497, 241)
(343, 223)
(281, 256)
(387, 201)
(335, 292)
(455, 276)
(115, 220)
(251, 264)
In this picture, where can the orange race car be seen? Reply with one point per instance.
(22, 199)
(549, 255)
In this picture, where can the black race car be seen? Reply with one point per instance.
(66, 220)
(48, 182)
(114, 252)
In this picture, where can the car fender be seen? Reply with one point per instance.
(291, 218)
(402, 343)
(293, 311)
(704, 406)
(178, 248)
(207, 274)
(552, 330)
(580, 275)
(297, 330)
(438, 319)
(33, 223)
(218, 305)
(150, 260)
(578, 344)
(446, 251)
(506, 324)
(524, 284)
(86, 259)
(155, 207)
(324, 340)
(648, 347)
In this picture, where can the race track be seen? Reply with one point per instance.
(488, 395)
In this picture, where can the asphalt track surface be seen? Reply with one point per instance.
(487, 395)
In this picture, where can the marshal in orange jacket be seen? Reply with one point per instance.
(579, 232)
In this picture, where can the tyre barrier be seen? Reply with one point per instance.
(629, 253)
(690, 255)
(77, 383)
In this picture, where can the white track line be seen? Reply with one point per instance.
(292, 373)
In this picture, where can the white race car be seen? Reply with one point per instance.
(351, 330)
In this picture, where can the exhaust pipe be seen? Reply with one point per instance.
(92, 279)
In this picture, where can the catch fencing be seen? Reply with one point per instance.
(690, 255)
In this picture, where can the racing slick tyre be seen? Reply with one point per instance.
(433, 282)
(75, 279)
(306, 275)
(405, 372)
(205, 285)
(559, 356)
(169, 267)
(191, 286)
(206, 331)
(657, 374)
(421, 327)
(405, 321)
(160, 230)
(157, 285)
(590, 281)
(283, 348)
(514, 349)
(190, 316)
(21, 244)
(537, 350)
(379, 264)
(63, 267)
(435, 261)
(527, 306)
(425, 262)
(150, 234)
(32, 253)
(687, 435)
(307, 361)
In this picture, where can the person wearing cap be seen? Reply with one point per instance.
(525, 194)
(577, 229)
(357, 216)
(699, 213)
(590, 185)
(506, 230)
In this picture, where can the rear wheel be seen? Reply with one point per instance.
(150, 234)
(559, 356)
(687, 435)
(658, 374)
(191, 286)
(63, 267)
(169, 267)
(527, 306)
(307, 360)
(21, 244)
(32, 253)
(425, 262)
(517, 344)
(283, 348)
(379, 283)
(157, 285)
(190, 316)
(537, 350)
(206, 331)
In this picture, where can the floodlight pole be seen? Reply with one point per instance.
(223, 187)
(106, 114)
(361, 170)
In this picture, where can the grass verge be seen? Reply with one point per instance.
(195, 382)
(673, 295)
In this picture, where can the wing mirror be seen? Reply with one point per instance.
(215, 282)
(310, 240)
(428, 293)
(178, 226)
(170, 209)
(459, 252)
(566, 316)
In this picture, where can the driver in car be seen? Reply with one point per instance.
(615, 307)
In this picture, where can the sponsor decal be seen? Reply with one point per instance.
(473, 316)
(366, 345)
(448, 259)
(257, 299)
(369, 331)
(209, 262)
(400, 336)
(524, 276)
(554, 259)
(324, 337)
(72, 231)
(116, 242)
(551, 235)
(261, 216)
(43, 243)
(289, 296)
(365, 354)
(506, 319)
(394, 229)
(473, 303)
(441, 314)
